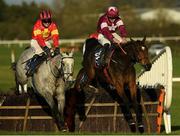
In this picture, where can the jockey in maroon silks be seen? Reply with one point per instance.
(108, 25)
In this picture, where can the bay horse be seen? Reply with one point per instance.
(119, 74)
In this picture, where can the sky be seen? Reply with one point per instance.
(18, 2)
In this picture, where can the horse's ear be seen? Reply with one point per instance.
(72, 52)
(144, 39)
(131, 39)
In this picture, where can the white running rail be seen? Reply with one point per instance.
(75, 42)
(160, 73)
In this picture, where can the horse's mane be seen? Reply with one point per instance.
(55, 64)
(54, 61)
(130, 45)
(27, 47)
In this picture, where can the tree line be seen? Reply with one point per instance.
(78, 18)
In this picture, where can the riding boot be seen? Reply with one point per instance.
(107, 54)
(34, 63)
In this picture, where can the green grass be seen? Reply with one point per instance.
(7, 78)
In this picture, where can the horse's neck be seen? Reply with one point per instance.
(56, 60)
(128, 47)
(124, 60)
(55, 64)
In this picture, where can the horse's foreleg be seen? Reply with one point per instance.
(54, 109)
(126, 107)
(81, 81)
(136, 105)
(60, 96)
(70, 108)
(25, 88)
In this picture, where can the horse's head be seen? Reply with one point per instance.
(141, 53)
(68, 62)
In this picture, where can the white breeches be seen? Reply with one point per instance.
(37, 48)
(103, 40)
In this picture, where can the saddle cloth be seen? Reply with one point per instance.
(98, 55)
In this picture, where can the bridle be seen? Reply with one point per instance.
(67, 72)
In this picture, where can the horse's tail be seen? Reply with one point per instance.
(13, 62)
(13, 67)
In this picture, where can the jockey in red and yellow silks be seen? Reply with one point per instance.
(42, 34)
(44, 31)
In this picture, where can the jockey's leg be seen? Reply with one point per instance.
(106, 52)
(37, 59)
(34, 63)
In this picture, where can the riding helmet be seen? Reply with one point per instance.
(112, 12)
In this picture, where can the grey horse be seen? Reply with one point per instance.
(48, 81)
(22, 81)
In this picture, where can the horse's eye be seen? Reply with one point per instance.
(143, 48)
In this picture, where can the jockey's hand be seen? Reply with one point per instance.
(123, 40)
(116, 41)
(46, 50)
(56, 51)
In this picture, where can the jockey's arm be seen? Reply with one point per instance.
(123, 33)
(109, 36)
(40, 40)
(115, 40)
(55, 35)
(105, 31)
(55, 38)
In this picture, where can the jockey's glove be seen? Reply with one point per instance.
(57, 51)
(46, 50)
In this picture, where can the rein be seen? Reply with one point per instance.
(122, 49)
(129, 52)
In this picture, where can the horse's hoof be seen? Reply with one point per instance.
(64, 129)
(141, 128)
(132, 126)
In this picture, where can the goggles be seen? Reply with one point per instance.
(46, 20)
(112, 17)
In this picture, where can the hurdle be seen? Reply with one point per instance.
(160, 74)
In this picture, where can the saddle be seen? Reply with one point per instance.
(33, 63)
